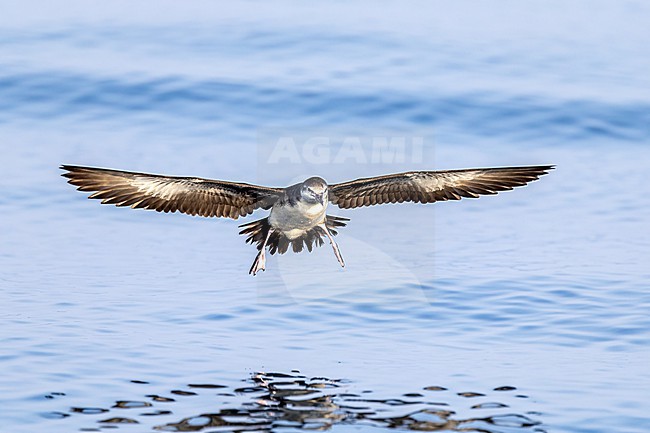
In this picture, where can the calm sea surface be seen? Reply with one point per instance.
(524, 312)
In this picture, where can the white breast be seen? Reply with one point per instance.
(293, 221)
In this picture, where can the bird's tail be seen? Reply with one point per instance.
(258, 230)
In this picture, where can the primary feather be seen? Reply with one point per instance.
(190, 195)
(432, 186)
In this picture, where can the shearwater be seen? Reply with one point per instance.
(298, 215)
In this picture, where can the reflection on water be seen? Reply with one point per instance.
(272, 401)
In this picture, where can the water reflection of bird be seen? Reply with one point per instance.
(298, 213)
(279, 401)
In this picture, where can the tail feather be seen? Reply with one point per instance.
(257, 231)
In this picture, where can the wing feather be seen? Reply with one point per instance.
(432, 186)
(190, 195)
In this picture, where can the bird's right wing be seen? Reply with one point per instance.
(432, 186)
(190, 195)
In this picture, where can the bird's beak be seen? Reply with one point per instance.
(321, 197)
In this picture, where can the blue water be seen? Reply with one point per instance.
(524, 312)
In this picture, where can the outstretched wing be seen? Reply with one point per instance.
(190, 195)
(432, 186)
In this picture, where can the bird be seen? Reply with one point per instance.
(298, 213)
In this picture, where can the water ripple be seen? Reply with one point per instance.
(54, 95)
(273, 401)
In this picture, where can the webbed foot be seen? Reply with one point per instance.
(259, 264)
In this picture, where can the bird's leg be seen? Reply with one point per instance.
(260, 260)
(335, 247)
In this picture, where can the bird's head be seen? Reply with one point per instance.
(314, 190)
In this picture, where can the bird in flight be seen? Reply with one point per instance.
(298, 215)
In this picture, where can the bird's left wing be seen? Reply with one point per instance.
(190, 195)
(432, 186)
